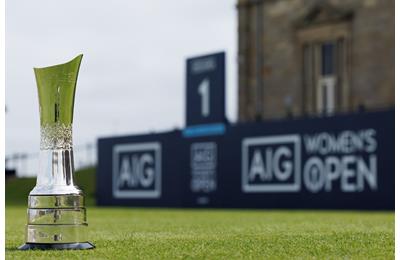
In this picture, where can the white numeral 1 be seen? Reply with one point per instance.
(204, 91)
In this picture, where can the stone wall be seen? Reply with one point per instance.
(370, 59)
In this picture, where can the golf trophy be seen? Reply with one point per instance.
(56, 209)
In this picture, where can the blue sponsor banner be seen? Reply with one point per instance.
(341, 162)
(139, 170)
(338, 162)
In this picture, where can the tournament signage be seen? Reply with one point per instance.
(271, 164)
(205, 120)
(140, 170)
(338, 162)
(201, 171)
(274, 163)
(203, 165)
(205, 89)
(137, 170)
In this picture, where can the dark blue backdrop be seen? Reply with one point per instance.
(338, 162)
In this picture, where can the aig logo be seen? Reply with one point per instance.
(137, 170)
(271, 164)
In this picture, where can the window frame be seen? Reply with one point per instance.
(310, 40)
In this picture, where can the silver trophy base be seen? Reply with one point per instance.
(56, 222)
(71, 246)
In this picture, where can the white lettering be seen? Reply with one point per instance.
(146, 174)
(268, 174)
(369, 175)
(125, 172)
(311, 144)
(348, 173)
(314, 174)
(287, 165)
(346, 142)
(332, 171)
(257, 166)
(370, 140)
(137, 172)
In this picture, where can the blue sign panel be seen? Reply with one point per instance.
(338, 162)
(205, 89)
(343, 162)
(139, 170)
(201, 167)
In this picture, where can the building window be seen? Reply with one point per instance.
(327, 53)
(326, 96)
(324, 66)
(324, 37)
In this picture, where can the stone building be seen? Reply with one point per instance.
(315, 57)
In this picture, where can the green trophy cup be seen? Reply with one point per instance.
(56, 209)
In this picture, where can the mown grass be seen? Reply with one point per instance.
(132, 233)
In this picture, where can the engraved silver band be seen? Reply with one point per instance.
(56, 219)
(56, 201)
(57, 216)
(56, 233)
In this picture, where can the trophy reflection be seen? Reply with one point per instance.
(56, 209)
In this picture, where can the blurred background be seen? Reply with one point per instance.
(321, 71)
(222, 106)
(132, 78)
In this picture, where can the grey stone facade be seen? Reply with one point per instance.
(281, 67)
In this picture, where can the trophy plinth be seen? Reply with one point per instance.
(56, 207)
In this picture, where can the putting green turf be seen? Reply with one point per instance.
(128, 233)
